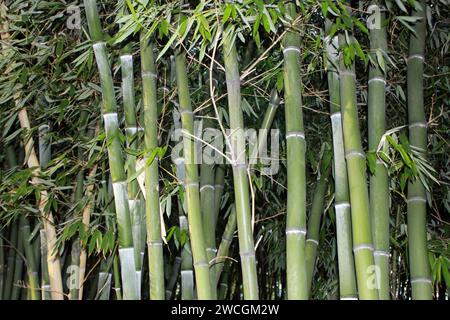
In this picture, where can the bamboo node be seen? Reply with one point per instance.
(363, 246)
(421, 280)
(381, 253)
(191, 184)
(295, 134)
(416, 199)
(316, 242)
(149, 74)
(347, 73)
(349, 298)
(355, 153)
(201, 264)
(247, 254)
(418, 125)
(416, 56)
(291, 48)
(336, 114)
(295, 230)
(379, 79)
(210, 186)
(344, 204)
(213, 250)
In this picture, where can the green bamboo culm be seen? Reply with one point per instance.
(296, 184)
(115, 154)
(240, 178)
(224, 247)
(196, 234)
(131, 134)
(346, 266)
(417, 221)
(153, 218)
(359, 195)
(379, 183)
(315, 215)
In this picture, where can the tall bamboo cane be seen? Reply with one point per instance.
(201, 266)
(296, 184)
(153, 218)
(346, 266)
(359, 196)
(379, 184)
(417, 233)
(115, 156)
(240, 179)
(131, 132)
(315, 217)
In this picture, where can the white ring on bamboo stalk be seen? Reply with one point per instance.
(152, 243)
(201, 264)
(347, 73)
(247, 254)
(313, 241)
(342, 205)
(349, 298)
(41, 127)
(416, 56)
(213, 250)
(210, 186)
(379, 79)
(291, 48)
(223, 284)
(186, 112)
(239, 165)
(47, 287)
(295, 230)
(381, 253)
(418, 125)
(149, 74)
(132, 130)
(363, 246)
(421, 280)
(295, 134)
(416, 199)
(191, 184)
(355, 153)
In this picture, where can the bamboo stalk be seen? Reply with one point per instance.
(30, 262)
(379, 183)
(420, 274)
(240, 179)
(359, 196)
(315, 217)
(131, 132)
(224, 247)
(201, 266)
(346, 265)
(115, 156)
(296, 182)
(153, 218)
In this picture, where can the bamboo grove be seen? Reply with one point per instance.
(250, 149)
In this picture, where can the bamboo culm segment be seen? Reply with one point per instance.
(296, 180)
(346, 266)
(153, 218)
(240, 179)
(196, 234)
(131, 133)
(379, 183)
(359, 195)
(115, 155)
(314, 220)
(417, 233)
